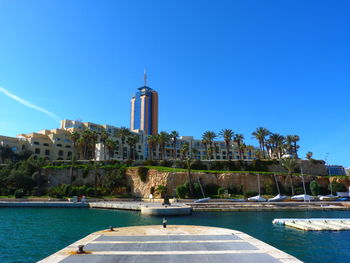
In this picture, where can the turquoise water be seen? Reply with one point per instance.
(30, 234)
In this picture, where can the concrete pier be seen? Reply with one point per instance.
(315, 224)
(146, 208)
(185, 244)
(44, 204)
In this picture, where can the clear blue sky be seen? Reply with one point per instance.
(283, 65)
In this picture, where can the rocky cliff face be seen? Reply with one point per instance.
(246, 181)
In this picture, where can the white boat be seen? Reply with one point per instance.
(202, 200)
(257, 198)
(277, 198)
(328, 197)
(303, 197)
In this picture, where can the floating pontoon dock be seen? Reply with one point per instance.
(176, 244)
(315, 224)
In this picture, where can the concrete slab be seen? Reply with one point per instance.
(152, 244)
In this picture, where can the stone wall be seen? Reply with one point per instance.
(248, 181)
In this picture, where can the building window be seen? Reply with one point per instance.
(36, 143)
(60, 153)
(59, 145)
(69, 154)
(46, 144)
(67, 146)
(37, 151)
(47, 152)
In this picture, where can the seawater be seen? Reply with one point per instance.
(30, 234)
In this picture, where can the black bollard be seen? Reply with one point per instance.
(165, 221)
(111, 228)
(81, 249)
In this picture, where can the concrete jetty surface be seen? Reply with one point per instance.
(152, 244)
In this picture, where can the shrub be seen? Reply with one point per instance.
(85, 172)
(198, 165)
(74, 191)
(181, 191)
(337, 187)
(314, 188)
(197, 192)
(149, 163)
(211, 189)
(142, 172)
(270, 189)
(299, 190)
(152, 190)
(90, 191)
(81, 190)
(166, 163)
(250, 193)
(221, 191)
(128, 162)
(19, 193)
(234, 190)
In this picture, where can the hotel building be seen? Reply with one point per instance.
(144, 110)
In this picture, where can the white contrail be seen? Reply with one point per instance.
(29, 104)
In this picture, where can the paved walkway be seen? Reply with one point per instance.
(152, 244)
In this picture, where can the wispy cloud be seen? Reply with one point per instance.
(29, 104)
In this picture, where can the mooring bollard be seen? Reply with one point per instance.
(81, 249)
(165, 221)
(111, 228)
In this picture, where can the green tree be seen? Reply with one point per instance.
(163, 139)
(103, 138)
(38, 163)
(208, 140)
(238, 139)
(152, 145)
(290, 164)
(174, 135)
(185, 148)
(309, 155)
(132, 141)
(260, 134)
(111, 147)
(227, 135)
(123, 133)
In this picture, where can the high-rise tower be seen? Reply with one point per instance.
(144, 110)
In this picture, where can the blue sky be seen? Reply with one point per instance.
(283, 65)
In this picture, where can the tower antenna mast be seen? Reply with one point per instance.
(145, 77)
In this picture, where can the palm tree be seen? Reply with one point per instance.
(111, 146)
(132, 141)
(38, 163)
(260, 134)
(296, 138)
(152, 145)
(122, 133)
(289, 144)
(95, 167)
(86, 143)
(239, 140)
(227, 135)
(5, 153)
(290, 164)
(250, 149)
(174, 135)
(185, 148)
(208, 139)
(75, 138)
(103, 138)
(309, 155)
(163, 139)
(276, 141)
